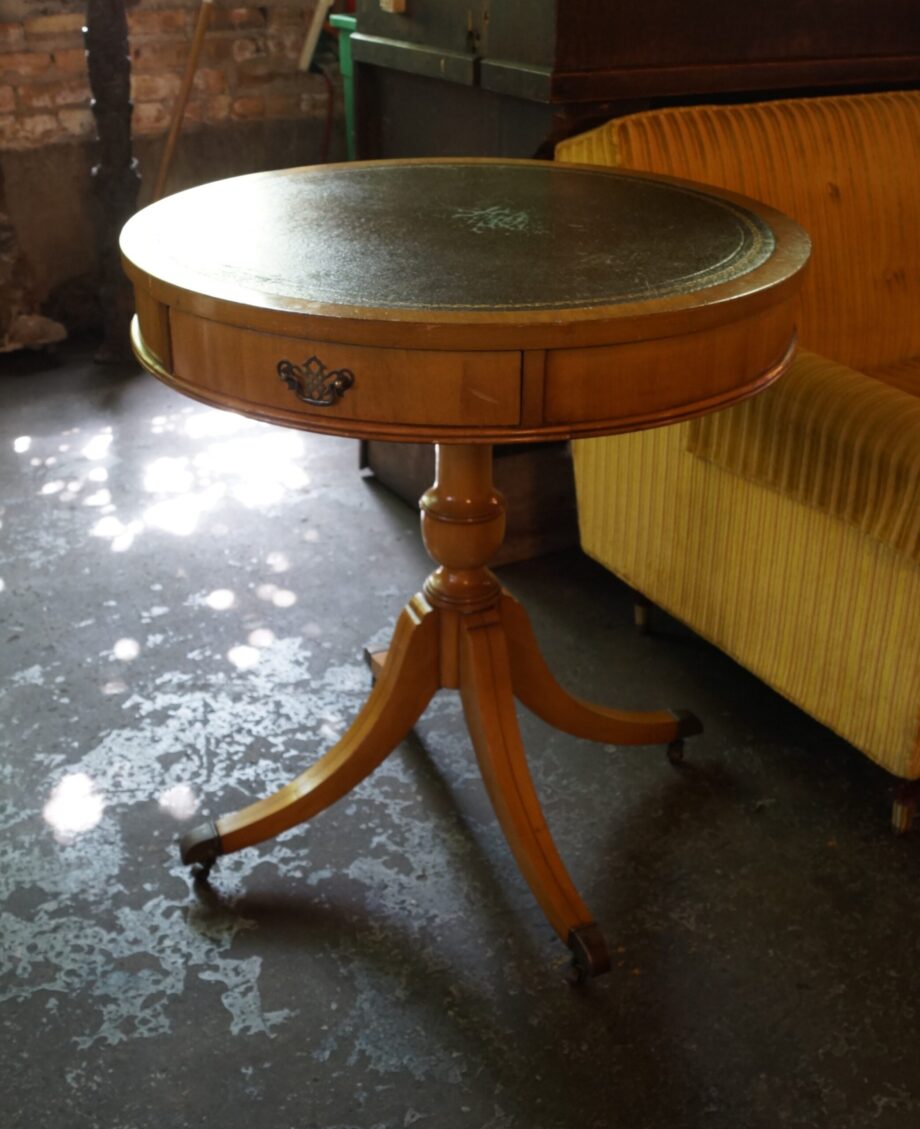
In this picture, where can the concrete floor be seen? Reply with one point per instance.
(185, 596)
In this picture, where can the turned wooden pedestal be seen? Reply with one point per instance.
(463, 303)
(462, 632)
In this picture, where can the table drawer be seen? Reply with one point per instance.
(639, 383)
(329, 381)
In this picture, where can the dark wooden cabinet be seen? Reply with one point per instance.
(663, 47)
(577, 61)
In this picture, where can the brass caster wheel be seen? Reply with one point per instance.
(374, 661)
(589, 953)
(200, 849)
(902, 815)
(905, 806)
(688, 725)
(641, 606)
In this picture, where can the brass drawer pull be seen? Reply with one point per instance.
(313, 383)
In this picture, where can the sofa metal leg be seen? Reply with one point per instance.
(641, 606)
(904, 808)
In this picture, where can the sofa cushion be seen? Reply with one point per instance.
(832, 438)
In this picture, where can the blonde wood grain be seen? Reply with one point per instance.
(463, 526)
(533, 379)
(576, 372)
(153, 317)
(535, 687)
(486, 692)
(407, 683)
(463, 632)
(412, 387)
(637, 379)
(569, 328)
(450, 648)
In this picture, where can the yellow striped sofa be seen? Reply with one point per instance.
(786, 530)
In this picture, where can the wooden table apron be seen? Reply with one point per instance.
(463, 302)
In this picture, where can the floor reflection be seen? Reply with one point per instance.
(74, 808)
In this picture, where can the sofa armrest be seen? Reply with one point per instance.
(832, 438)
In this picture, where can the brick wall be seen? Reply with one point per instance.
(248, 68)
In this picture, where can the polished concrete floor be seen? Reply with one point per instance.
(184, 598)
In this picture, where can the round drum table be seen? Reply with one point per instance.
(463, 302)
